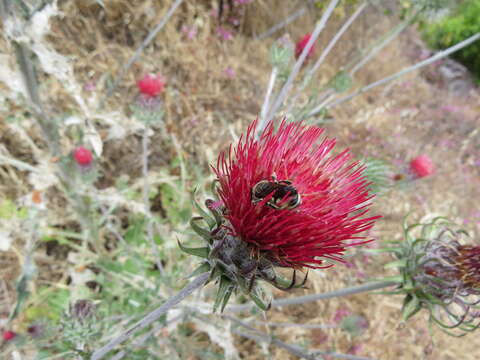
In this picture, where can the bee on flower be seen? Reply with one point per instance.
(286, 201)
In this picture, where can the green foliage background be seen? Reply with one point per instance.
(461, 24)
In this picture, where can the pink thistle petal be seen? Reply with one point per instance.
(333, 191)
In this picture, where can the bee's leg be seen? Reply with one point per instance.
(304, 280)
(289, 287)
(253, 276)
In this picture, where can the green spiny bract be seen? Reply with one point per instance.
(233, 265)
(430, 262)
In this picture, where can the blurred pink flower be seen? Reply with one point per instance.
(151, 85)
(450, 108)
(234, 21)
(82, 156)
(341, 313)
(189, 31)
(229, 72)
(224, 33)
(302, 44)
(9, 335)
(422, 166)
(355, 349)
(89, 85)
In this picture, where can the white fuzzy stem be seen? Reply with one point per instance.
(266, 103)
(140, 49)
(152, 317)
(419, 65)
(298, 65)
(146, 202)
(327, 50)
(282, 24)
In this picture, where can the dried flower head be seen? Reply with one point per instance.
(422, 166)
(82, 310)
(9, 335)
(36, 330)
(301, 44)
(440, 274)
(287, 201)
(151, 85)
(82, 156)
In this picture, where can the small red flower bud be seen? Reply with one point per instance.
(422, 166)
(151, 85)
(82, 156)
(301, 44)
(9, 335)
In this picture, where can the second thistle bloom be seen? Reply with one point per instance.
(440, 273)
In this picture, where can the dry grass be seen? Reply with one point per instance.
(204, 106)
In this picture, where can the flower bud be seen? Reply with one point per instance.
(422, 166)
(281, 52)
(151, 85)
(82, 156)
(82, 310)
(9, 335)
(301, 44)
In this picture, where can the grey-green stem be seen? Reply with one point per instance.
(140, 49)
(419, 65)
(259, 336)
(323, 296)
(298, 65)
(153, 316)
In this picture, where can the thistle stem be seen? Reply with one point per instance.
(259, 336)
(298, 65)
(153, 316)
(146, 202)
(266, 102)
(140, 49)
(419, 65)
(284, 23)
(388, 39)
(323, 296)
(326, 51)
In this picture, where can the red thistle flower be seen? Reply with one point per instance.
(290, 199)
(422, 166)
(301, 44)
(9, 335)
(151, 85)
(82, 156)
